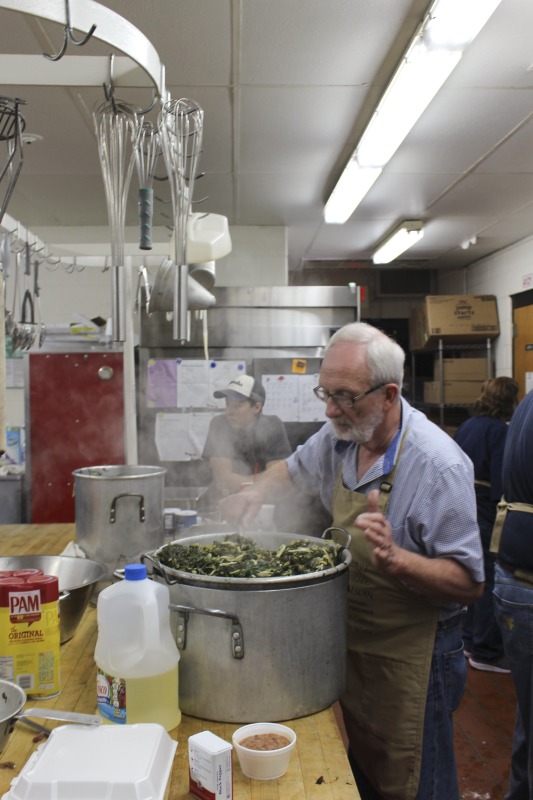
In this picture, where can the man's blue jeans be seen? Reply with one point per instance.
(513, 602)
(447, 682)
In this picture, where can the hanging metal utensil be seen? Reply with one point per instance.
(41, 327)
(6, 269)
(12, 125)
(14, 326)
(181, 126)
(161, 297)
(26, 332)
(118, 127)
(147, 154)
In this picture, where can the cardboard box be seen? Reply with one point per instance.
(461, 369)
(454, 391)
(210, 767)
(455, 319)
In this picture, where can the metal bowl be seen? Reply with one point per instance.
(77, 579)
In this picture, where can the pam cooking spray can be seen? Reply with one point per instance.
(29, 632)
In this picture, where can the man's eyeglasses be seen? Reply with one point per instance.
(344, 399)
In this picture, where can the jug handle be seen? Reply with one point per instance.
(113, 509)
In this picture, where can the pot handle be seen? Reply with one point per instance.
(237, 638)
(344, 535)
(113, 509)
(157, 569)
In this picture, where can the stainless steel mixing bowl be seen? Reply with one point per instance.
(77, 579)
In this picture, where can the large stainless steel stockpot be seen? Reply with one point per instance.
(258, 649)
(119, 512)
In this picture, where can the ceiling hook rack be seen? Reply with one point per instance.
(69, 36)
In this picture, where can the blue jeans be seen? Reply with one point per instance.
(481, 632)
(447, 682)
(513, 602)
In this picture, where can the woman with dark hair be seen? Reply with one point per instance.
(482, 437)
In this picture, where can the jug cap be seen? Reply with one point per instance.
(135, 572)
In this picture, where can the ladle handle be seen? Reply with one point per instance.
(63, 716)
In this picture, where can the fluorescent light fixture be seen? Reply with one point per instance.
(447, 29)
(456, 23)
(351, 187)
(411, 90)
(408, 234)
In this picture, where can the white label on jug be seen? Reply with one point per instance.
(111, 696)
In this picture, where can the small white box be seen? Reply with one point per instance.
(210, 767)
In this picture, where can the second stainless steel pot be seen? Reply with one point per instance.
(119, 512)
(258, 649)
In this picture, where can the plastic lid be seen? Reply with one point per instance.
(135, 572)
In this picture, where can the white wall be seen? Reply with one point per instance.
(504, 274)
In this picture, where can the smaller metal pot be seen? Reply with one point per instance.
(12, 698)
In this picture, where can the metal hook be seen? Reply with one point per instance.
(69, 36)
(152, 104)
(50, 264)
(109, 90)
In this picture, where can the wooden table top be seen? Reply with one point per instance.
(319, 768)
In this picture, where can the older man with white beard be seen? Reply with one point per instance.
(405, 492)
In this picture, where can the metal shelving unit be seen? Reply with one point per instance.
(441, 348)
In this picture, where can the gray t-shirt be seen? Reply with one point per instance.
(250, 449)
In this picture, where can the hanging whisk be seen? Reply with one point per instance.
(181, 126)
(118, 128)
(147, 154)
(12, 125)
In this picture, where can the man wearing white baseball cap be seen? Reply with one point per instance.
(243, 442)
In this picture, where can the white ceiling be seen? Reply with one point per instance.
(287, 87)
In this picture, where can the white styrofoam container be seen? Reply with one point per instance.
(120, 762)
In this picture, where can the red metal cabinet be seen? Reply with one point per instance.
(74, 418)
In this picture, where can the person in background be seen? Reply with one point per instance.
(482, 437)
(243, 442)
(405, 492)
(513, 587)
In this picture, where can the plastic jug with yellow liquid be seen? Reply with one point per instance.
(136, 656)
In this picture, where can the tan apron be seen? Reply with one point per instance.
(391, 636)
(503, 509)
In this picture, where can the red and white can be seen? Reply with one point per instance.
(29, 633)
